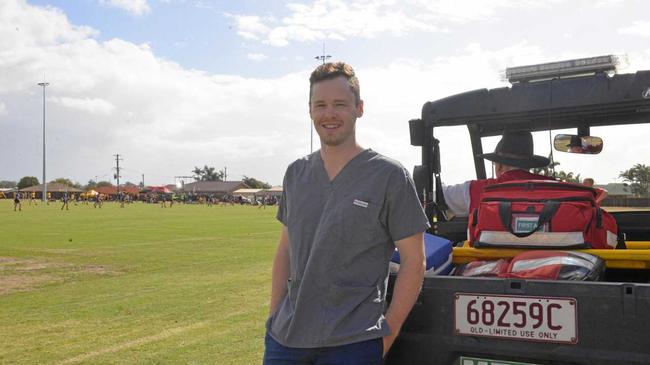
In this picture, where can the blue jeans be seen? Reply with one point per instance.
(361, 353)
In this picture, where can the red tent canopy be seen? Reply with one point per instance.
(112, 190)
(159, 189)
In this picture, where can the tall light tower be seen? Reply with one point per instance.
(322, 58)
(44, 197)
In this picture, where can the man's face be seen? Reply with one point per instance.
(334, 111)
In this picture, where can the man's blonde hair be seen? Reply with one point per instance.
(332, 70)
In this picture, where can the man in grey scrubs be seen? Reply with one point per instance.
(343, 210)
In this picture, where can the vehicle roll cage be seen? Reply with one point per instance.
(560, 103)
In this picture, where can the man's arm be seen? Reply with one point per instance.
(457, 198)
(407, 286)
(280, 272)
(601, 194)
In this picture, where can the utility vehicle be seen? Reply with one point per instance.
(512, 321)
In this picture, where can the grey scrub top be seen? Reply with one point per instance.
(341, 238)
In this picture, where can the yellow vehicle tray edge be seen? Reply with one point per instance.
(624, 259)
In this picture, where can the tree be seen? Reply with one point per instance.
(560, 175)
(256, 184)
(568, 177)
(103, 183)
(639, 178)
(27, 181)
(128, 183)
(546, 170)
(67, 182)
(208, 174)
(92, 184)
(5, 184)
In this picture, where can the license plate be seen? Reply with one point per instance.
(542, 319)
(476, 361)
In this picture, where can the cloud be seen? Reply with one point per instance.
(257, 56)
(609, 3)
(133, 7)
(638, 28)
(340, 20)
(90, 105)
(44, 27)
(395, 93)
(3, 109)
(163, 118)
(115, 96)
(329, 19)
(249, 26)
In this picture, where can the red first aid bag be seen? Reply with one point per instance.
(541, 214)
(556, 265)
(474, 269)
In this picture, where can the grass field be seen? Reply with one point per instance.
(134, 285)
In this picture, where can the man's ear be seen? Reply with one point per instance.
(359, 108)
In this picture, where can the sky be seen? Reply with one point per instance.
(173, 84)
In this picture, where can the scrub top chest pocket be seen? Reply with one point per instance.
(360, 219)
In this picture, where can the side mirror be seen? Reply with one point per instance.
(572, 143)
(416, 129)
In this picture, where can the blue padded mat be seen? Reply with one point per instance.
(438, 252)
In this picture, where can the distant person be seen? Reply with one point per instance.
(98, 201)
(49, 197)
(17, 203)
(64, 199)
(601, 193)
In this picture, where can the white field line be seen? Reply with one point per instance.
(133, 343)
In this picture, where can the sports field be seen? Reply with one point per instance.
(135, 285)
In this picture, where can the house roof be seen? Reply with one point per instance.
(112, 190)
(52, 188)
(275, 189)
(616, 189)
(247, 191)
(214, 186)
(130, 189)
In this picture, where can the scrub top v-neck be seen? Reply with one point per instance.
(341, 237)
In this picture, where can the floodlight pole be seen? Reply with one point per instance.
(322, 58)
(44, 197)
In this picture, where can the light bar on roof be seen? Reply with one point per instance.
(563, 68)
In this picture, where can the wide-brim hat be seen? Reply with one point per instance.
(516, 149)
(576, 141)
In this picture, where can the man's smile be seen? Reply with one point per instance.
(331, 125)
